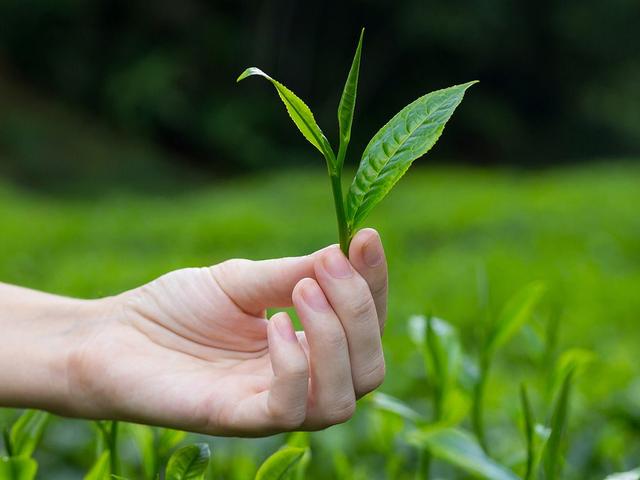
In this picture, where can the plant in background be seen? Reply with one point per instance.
(442, 434)
(406, 137)
(512, 317)
(20, 442)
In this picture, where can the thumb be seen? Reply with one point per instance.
(257, 285)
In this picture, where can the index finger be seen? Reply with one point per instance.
(366, 254)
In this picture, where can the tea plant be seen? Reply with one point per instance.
(20, 442)
(442, 435)
(407, 136)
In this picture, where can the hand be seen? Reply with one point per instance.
(194, 350)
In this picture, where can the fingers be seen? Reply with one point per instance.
(350, 296)
(255, 286)
(332, 398)
(288, 393)
(366, 254)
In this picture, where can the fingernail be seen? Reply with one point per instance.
(337, 264)
(285, 328)
(314, 297)
(372, 252)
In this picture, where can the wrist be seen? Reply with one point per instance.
(42, 334)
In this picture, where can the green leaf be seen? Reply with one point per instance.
(6, 438)
(189, 463)
(443, 357)
(387, 403)
(18, 468)
(514, 315)
(573, 359)
(630, 475)
(460, 449)
(168, 439)
(348, 102)
(529, 431)
(407, 136)
(300, 470)
(101, 469)
(298, 439)
(554, 446)
(27, 432)
(145, 441)
(440, 346)
(300, 113)
(281, 465)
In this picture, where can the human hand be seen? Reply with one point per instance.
(193, 349)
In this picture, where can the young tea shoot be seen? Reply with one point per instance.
(407, 136)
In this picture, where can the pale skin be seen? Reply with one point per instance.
(194, 349)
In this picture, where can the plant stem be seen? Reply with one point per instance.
(338, 199)
(424, 465)
(113, 448)
(477, 414)
(6, 434)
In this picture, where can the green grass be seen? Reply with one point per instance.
(446, 231)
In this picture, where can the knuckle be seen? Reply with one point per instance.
(341, 412)
(288, 418)
(298, 370)
(229, 266)
(362, 305)
(335, 339)
(380, 287)
(372, 379)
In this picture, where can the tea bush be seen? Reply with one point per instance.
(472, 242)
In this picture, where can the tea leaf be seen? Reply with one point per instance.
(168, 439)
(101, 470)
(298, 439)
(300, 470)
(443, 358)
(387, 403)
(144, 439)
(300, 113)
(558, 424)
(189, 463)
(348, 102)
(573, 359)
(281, 465)
(460, 449)
(27, 432)
(406, 137)
(6, 438)
(529, 431)
(18, 468)
(515, 313)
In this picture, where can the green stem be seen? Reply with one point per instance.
(6, 434)
(424, 465)
(338, 199)
(113, 448)
(477, 414)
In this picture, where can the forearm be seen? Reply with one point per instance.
(39, 332)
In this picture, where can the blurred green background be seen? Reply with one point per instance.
(127, 150)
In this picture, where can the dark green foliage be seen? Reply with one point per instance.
(561, 76)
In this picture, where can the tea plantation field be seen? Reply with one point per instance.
(460, 242)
